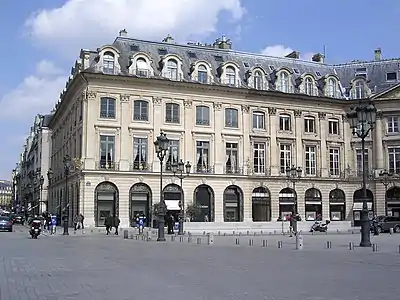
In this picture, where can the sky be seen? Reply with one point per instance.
(41, 39)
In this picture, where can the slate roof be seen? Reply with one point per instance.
(376, 70)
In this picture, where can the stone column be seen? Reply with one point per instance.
(157, 122)
(298, 161)
(377, 143)
(273, 151)
(219, 153)
(90, 134)
(322, 162)
(126, 144)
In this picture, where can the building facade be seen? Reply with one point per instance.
(240, 119)
(31, 172)
(6, 192)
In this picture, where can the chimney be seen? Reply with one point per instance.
(318, 58)
(378, 54)
(123, 33)
(293, 54)
(168, 39)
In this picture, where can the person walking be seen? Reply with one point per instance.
(108, 223)
(76, 222)
(82, 219)
(116, 223)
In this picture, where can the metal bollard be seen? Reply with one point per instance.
(148, 236)
(198, 241)
(299, 241)
(351, 246)
(328, 245)
(262, 232)
(274, 231)
(181, 239)
(189, 239)
(375, 248)
(210, 239)
(264, 243)
(204, 233)
(255, 233)
(219, 232)
(250, 242)
(391, 231)
(237, 242)
(248, 232)
(399, 248)
(240, 234)
(337, 231)
(136, 237)
(280, 244)
(131, 236)
(224, 233)
(172, 238)
(233, 232)
(126, 234)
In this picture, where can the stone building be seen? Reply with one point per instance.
(5, 193)
(239, 118)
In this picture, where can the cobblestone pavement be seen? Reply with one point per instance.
(109, 267)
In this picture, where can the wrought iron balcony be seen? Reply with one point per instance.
(234, 170)
(199, 169)
(141, 167)
(112, 166)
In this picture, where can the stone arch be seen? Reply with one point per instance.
(106, 202)
(233, 204)
(204, 196)
(313, 204)
(261, 204)
(140, 202)
(358, 204)
(337, 205)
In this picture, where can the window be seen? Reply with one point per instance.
(311, 163)
(309, 124)
(140, 154)
(285, 157)
(393, 124)
(202, 75)
(258, 120)
(173, 154)
(333, 126)
(284, 82)
(309, 86)
(142, 68)
(259, 158)
(394, 160)
(258, 80)
(140, 110)
(107, 108)
(231, 117)
(332, 88)
(230, 74)
(172, 113)
(231, 158)
(172, 69)
(334, 159)
(359, 90)
(359, 159)
(202, 115)
(202, 157)
(391, 76)
(284, 123)
(108, 63)
(107, 151)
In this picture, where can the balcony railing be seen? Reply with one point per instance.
(142, 73)
(140, 117)
(112, 166)
(174, 120)
(234, 170)
(141, 167)
(204, 169)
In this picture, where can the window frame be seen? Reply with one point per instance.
(307, 121)
(204, 73)
(170, 160)
(255, 120)
(109, 161)
(203, 122)
(231, 115)
(393, 122)
(309, 86)
(285, 157)
(330, 128)
(393, 156)
(259, 162)
(140, 142)
(107, 114)
(282, 126)
(172, 71)
(359, 161)
(334, 161)
(203, 147)
(141, 107)
(108, 60)
(311, 164)
(169, 109)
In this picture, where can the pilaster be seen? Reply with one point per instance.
(299, 143)
(377, 142)
(157, 123)
(247, 151)
(219, 121)
(189, 121)
(322, 155)
(273, 151)
(126, 143)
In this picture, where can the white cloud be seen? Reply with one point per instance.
(91, 23)
(36, 93)
(281, 51)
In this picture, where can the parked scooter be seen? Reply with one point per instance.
(318, 226)
(35, 228)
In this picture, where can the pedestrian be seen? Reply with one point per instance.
(116, 222)
(108, 223)
(82, 218)
(76, 222)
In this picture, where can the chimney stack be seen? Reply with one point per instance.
(123, 33)
(318, 58)
(293, 54)
(378, 54)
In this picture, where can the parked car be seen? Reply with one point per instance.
(384, 223)
(6, 224)
(18, 220)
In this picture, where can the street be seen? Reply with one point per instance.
(108, 267)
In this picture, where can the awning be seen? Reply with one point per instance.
(336, 203)
(286, 203)
(314, 202)
(359, 205)
(172, 204)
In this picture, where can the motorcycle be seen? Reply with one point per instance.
(319, 226)
(35, 229)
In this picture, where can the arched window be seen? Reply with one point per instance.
(108, 63)
(313, 205)
(284, 82)
(309, 86)
(142, 68)
(359, 90)
(172, 69)
(331, 88)
(230, 75)
(202, 74)
(258, 80)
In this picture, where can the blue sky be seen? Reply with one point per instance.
(41, 40)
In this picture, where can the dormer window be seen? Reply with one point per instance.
(283, 82)
(108, 62)
(331, 88)
(230, 74)
(309, 86)
(202, 74)
(359, 91)
(258, 80)
(172, 69)
(142, 68)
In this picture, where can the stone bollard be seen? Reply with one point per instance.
(280, 244)
(126, 233)
(351, 246)
(198, 241)
(255, 233)
(219, 232)
(248, 232)
(299, 242)
(264, 243)
(172, 238)
(274, 231)
(131, 236)
(91, 230)
(181, 239)
(136, 237)
(240, 234)
(338, 231)
(237, 242)
(328, 245)
(224, 233)
(148, 236)
(74, 232)
(233, 232)
(375, 248)
(204, 233)
(210, 239)
(391, 231)
(262, 232)
(250, 242)
(189, 239)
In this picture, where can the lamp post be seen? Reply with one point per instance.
(41, 181)
(66, 162)
(49, 178)
(161, 145)
(362, 119)
(293, 174)
(386, 179)
(181, 171)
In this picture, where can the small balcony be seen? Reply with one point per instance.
(234, 170)
(112, 166)
(204, 169)
(141, 167)
(142, 73)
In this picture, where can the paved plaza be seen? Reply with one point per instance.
(96, 266)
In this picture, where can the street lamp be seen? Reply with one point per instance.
(362, 119)
(293, 174)
(161, 145)
(181, 171)
(41, 181)
(66, 162)
(49, 179)
(386, 179)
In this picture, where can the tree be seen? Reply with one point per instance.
(193, 211)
